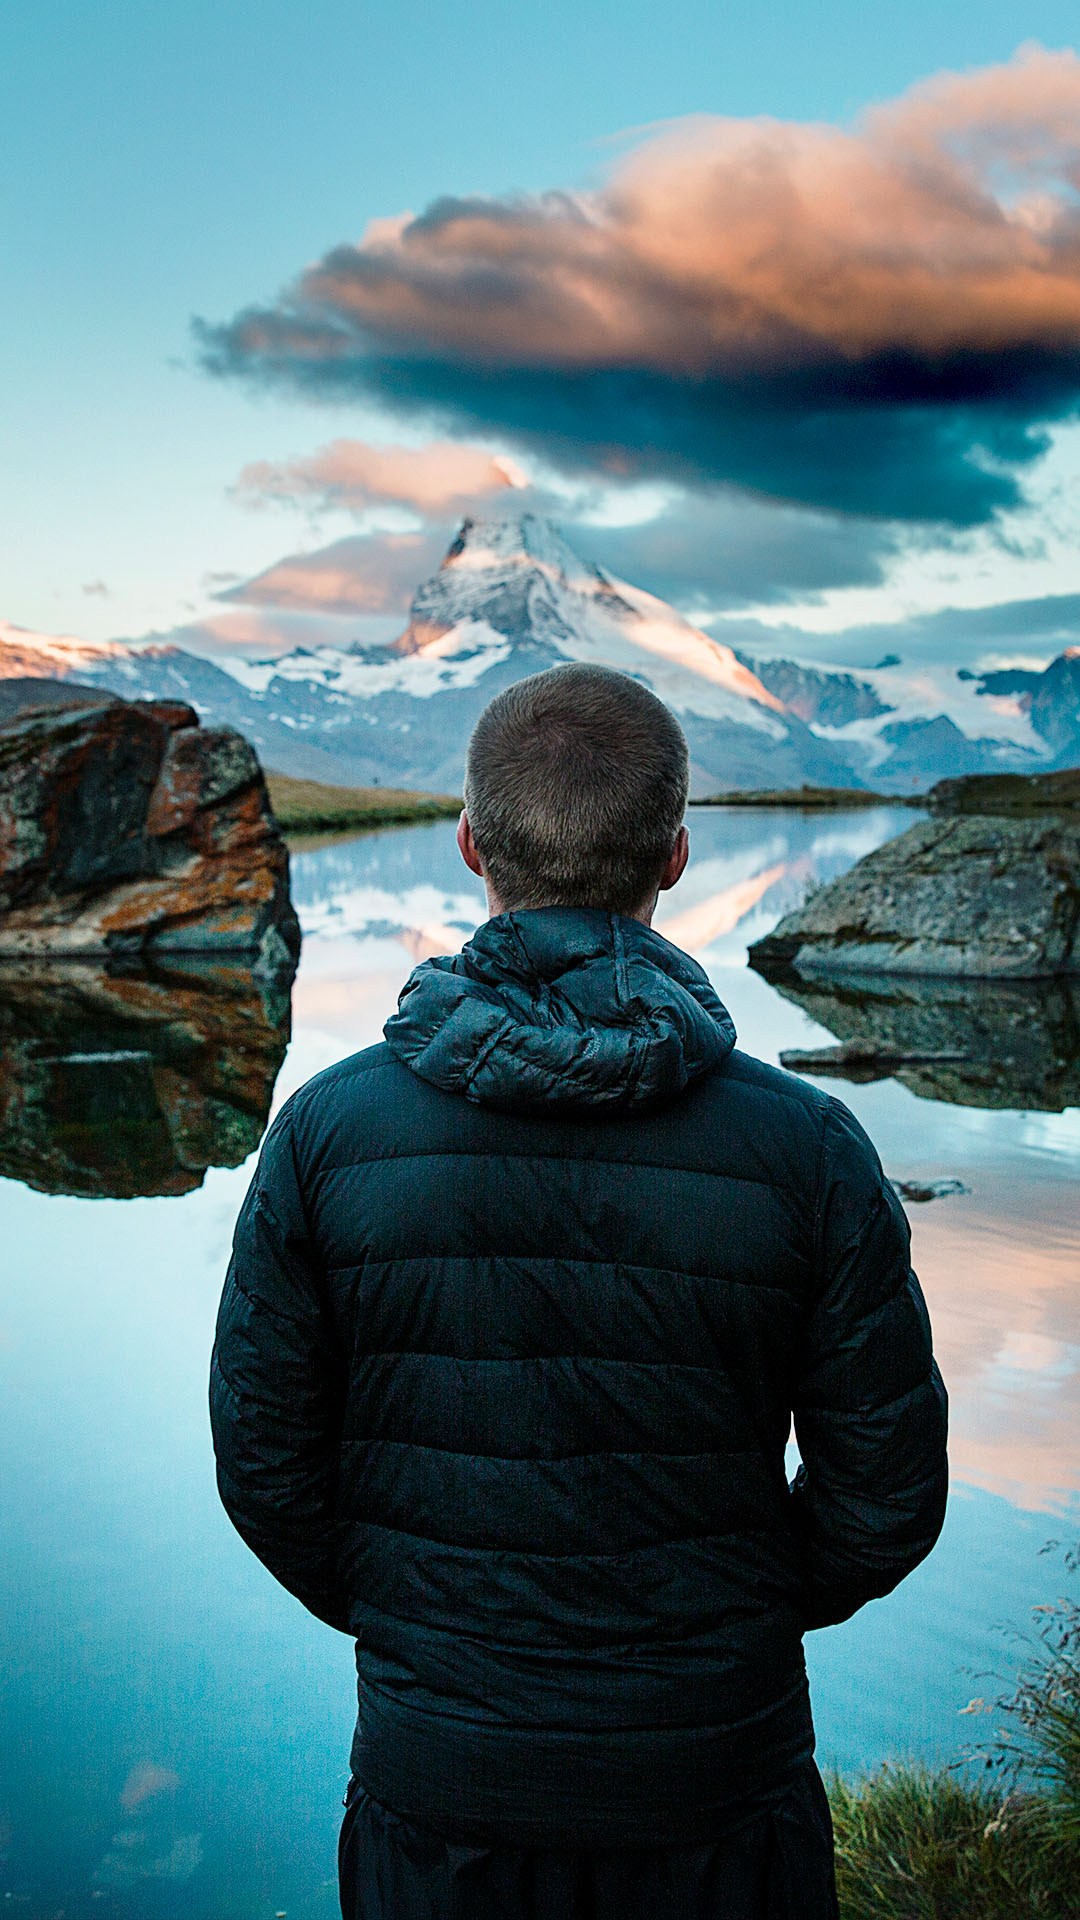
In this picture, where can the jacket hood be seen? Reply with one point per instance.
(561, 1007)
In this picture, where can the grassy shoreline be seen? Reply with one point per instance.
(1008, 793)
(807, 799)
(312, 806)
(916, 1843)
(309, 806)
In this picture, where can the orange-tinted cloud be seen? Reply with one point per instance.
(437, 479)
(853, 319)
(364, 573)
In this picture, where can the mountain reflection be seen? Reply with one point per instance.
(1008, 1044)
(115, 1084)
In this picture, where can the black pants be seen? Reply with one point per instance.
(779, 1866)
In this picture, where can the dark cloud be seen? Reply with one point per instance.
(819, 438)
(867, 322)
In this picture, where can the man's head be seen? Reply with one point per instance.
(575, 790)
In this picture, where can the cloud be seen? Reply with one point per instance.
(1032, 630)
(700, 555)
(263, 633)
(144, 1782)
(364, 573)
(728, 552)
(879, 321)
(435, 480)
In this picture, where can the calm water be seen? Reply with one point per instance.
(175, 1728)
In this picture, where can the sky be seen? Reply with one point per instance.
(776, 310)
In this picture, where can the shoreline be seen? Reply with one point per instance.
(308, 807)
(810, 799)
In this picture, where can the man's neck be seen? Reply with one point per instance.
(644, 915)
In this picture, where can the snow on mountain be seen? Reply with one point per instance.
(517, 579)
(822, 696)
(933, 724)
(511, 598)
(898, 724)
(925, 692)
(50, 656)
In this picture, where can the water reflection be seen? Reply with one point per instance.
(175, 1727)
(116, 1084)
(973, 1043)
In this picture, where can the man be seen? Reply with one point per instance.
(521, 1305)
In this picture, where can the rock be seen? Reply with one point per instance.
(980, 896)
(858, 1061)
(972, 1043)
(126, 827)
(923, 1190)
(118, 1084)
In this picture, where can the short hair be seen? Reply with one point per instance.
(575, 787)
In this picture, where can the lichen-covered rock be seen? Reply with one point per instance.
(129, 828)
(986, 897)
(114, 1084)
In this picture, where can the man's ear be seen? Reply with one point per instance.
(680, 854)
(467, 846)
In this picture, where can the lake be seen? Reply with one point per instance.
(175, 1728)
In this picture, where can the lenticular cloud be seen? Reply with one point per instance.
(878, 320)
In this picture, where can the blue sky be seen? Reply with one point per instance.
(162, 163)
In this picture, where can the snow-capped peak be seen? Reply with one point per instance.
(498, 541)
(517, 581)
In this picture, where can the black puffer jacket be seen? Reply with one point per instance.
(520, 1306)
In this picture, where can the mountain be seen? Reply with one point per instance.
(1050, 698)
(510, 598)
(821, 696)
(903, 726)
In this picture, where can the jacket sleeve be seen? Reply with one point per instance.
(276, 1387)
(870, 1408)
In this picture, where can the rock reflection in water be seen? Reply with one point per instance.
(999, 1044)
(117, 1084)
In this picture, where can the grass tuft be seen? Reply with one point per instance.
(912, 1844)
(918, 1844)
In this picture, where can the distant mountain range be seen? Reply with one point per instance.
(510, 598)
